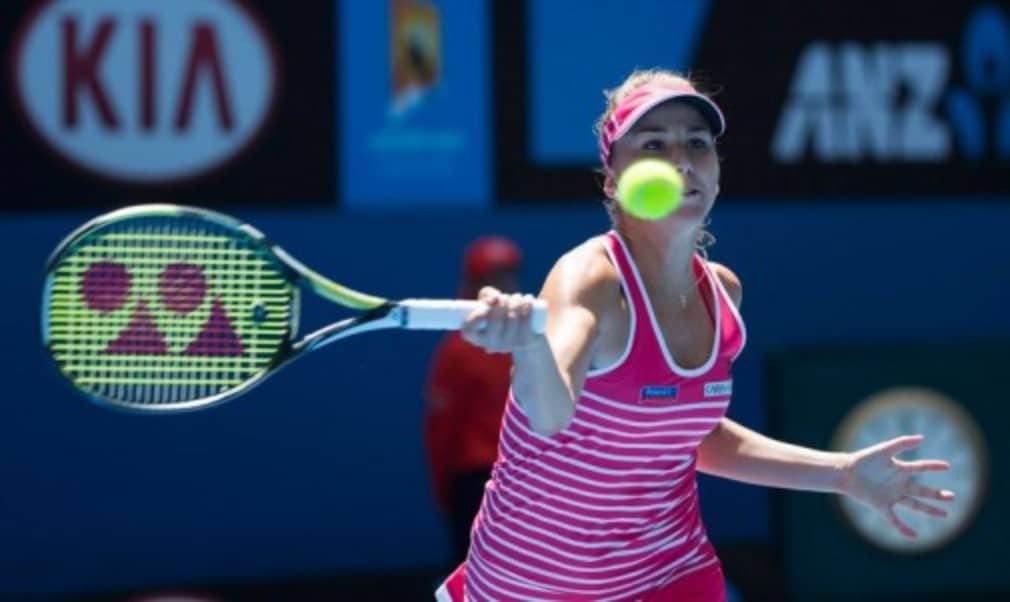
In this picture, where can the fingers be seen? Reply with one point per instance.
(903, 443)
(930, 493)
(506, 318)
(923, 507)
(502, 323)
(476, 321)
(923, 465)
(495, 313)
(488, 294)
(907, 501)
(898, 524)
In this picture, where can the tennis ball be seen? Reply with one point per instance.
(650, 189)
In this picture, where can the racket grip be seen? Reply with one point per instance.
(448, 314)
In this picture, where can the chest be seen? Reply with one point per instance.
(688, 333)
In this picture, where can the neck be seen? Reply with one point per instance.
(665, 259)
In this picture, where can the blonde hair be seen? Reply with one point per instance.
(614, 96)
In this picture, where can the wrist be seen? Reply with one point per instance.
(843, 473)
(535, 350)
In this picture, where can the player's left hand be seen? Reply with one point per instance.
(877, 478)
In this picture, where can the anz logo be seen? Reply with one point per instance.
(898, 102)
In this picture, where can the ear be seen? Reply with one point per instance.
(609, 185)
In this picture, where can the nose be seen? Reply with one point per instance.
(680, 159)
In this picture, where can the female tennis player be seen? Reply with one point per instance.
(614, 409)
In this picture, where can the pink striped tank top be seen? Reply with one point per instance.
(607, 509)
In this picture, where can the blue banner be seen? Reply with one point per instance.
(414, 113)
(579, 49)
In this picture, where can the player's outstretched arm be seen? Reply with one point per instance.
(873, 476)
(549, 369)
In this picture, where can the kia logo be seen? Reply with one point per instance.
(145, 91)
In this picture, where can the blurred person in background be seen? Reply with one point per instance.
(615, 407)
(465, 395)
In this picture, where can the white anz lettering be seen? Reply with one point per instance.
(854, 103)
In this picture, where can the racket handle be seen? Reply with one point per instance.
(448, 314)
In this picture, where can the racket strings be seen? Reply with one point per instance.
(165, 310)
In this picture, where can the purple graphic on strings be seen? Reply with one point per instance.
(105, 286)
(182, 288)
(217, 337)
(141, 335)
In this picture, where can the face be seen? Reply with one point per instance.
(676, 132)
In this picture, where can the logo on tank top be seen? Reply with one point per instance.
(719, 388)
(657, 394)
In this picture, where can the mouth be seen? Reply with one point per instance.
(692, 193)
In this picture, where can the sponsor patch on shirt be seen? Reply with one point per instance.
(719, 388)
(657, 393)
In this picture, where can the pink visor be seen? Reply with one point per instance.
(648, 96)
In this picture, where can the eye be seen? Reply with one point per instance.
(653, 144)
(699, 143)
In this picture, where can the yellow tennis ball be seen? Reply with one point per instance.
(650, 189)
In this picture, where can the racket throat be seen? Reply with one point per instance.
(384, 317)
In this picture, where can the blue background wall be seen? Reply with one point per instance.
(321, 469)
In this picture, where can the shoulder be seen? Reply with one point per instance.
(585, 272)
(582, 287)
(730, 281)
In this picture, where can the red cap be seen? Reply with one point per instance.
(489, 254)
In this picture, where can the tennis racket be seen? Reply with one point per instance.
(163, 308)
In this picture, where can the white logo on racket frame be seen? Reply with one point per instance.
(145, 91)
